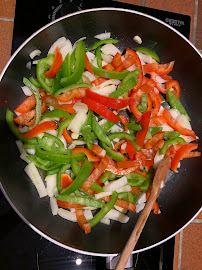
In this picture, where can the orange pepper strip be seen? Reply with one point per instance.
(88, 65)
(56, 64)
(155, 138)
(96, 173)
(156, 121)
(69, 205)
(161, 69)
(135, 163)
(98, 151)
(66, 136)
(114, 170)
(43, 127)
(117, 60)
(25, 118)
(99, 81)
(192, 155)
(75, 93)
(87, 152)
(66, 180)
(158, 145)
(109, 67)
(82, 221)
(135, 189)
(181, 153)
(122, 203)
(118, 144)
(175, 125)
(26, 105)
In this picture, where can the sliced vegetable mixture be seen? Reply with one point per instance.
(95, 121)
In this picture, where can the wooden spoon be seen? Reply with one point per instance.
(158, 183)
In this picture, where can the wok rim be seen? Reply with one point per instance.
(1, 76)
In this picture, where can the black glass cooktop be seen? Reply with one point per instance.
(21, 247)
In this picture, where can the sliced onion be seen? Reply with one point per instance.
(145, 58)
(91, 56)
(123, 146)
(78, 142)
(102, 194)
(26, 91)
(60, 42)
(160, 79)
(132, 68)
(80, 117)
(142, 199)
(29, 65)
(105, 91)
(23, 129)
(183, 121)
(102, 36)
(174, 112)
(54, 206)
(51, 184)
(105, 221)
(120, 209)
(88, 214)
(114, 185)
(139, 207)
(34, 54)
(31, 151)
(107, 58)
(19, 146)
(116, 215)
(137, 39)
(125, 188)
(166, 127)
(110, 49)
(76, 43)
(66, 214)
(110, 82)
(89, 75)
(23, 156)
(67, 48)
(34, 175)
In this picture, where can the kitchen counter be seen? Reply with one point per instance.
(188, 248)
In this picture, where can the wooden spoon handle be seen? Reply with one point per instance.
(160, 177)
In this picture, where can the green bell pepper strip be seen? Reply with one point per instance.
(64, 124)
(136, 146)
(14, 129)
(56, 84)
(106, 126)
(131, 198)
(66, 66)
(115, 155)
(121, 135)
(176, 104)
(123, 195)
(49, 144)
(107, 176)
(169, 142)
(29, 146)
(135, 176)
(33, 159)
(148, 135)
(124, 87)
(44, 162)
(99, 57)
(133, 126)
(145, 186)
(109, 74)
(54, 139)
(75, 167)
(172, 134)
(52, 166)
(154, 130)
(83, 174)
(81, 200)
(99, 132)
(38, 101)
(54, 171)
(96, 187)
(142, 107)
(58, 158)
(35, 82)
(132, 74)
(87, 132)
(79, 66)
(61, 171)
(102, 42)
(71, 87)
(41, 68)
(136, 183)
(56, 113)
(147, 51)
(102, 213)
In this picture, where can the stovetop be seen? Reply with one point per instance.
(21, 247)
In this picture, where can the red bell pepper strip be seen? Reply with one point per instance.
(110, 102)
(76, 93)
(175, 86)
(175, 125)
(69, 205)
(51, 100)
(135, 163)
(156, 121)
(122, 203)
(43, 127)
(117, 60)
(98, 81)
(131, 150)
(192, 154)
(109, 67)
(100, 109)
(181, 153)
(87, 152)
(88, 65)
(116, 171)
(160, 69)
(98, 151)
(25, 118)
(82, 221)
(144, 122)
(155, 138)
(96, 173)
(56, 64)
(66, 180)
(66, 136)
(43, 108)
(157, 84)
(26, 105)
(158, 145)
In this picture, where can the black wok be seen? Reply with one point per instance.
(180, 199)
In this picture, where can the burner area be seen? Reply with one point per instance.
(23, 248)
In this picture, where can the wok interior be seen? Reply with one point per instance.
(181, 196)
